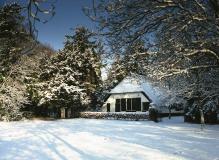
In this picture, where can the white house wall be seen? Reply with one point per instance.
(113, 97)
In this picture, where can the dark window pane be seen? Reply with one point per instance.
(108, 107)
(129, 104)
(117, 105)
(123, 104)
(136, 104)
(133, 104)
(145, 106)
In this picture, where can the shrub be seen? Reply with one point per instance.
(153, 114)
(209, 109)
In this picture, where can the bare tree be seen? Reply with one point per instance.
(184, 35)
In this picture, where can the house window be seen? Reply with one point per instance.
(145, 106)
(108, 107)
(118, 101)
(123, 104)
(136, 104)
(129, 104)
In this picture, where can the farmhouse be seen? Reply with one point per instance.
(134, 94)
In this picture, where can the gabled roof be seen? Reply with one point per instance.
(128, 84)
(135, 84)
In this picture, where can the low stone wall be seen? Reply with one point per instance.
(115, 115)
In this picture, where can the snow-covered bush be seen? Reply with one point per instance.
(60, 90)
(12, 98)
(58, 94)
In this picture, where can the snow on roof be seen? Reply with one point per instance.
(130, 84)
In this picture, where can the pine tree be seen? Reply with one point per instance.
(88, 52)
(69, 79)
(17, 57)
(12, 36)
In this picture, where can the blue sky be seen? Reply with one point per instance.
(68, 15)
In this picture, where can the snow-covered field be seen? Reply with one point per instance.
(108, 139)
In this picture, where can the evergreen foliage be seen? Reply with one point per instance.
(70, 78)
(12, 38)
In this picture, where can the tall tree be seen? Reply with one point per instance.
(71, 77)
(15, 44)
(184, 36)
(12, 36)
(12, 39)
(87, 51)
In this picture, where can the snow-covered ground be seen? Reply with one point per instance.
(108, 139)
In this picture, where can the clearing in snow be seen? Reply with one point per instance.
(75, 139)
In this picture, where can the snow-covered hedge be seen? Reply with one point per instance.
(115, 115)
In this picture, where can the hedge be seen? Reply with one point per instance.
(115, 115)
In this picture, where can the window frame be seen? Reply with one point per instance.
(123, 104)
(127, 106)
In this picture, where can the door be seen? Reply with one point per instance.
(117, 109)
(145, 106)
(108, 107)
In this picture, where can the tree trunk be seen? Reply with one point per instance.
(169, 113)
(202, 119)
